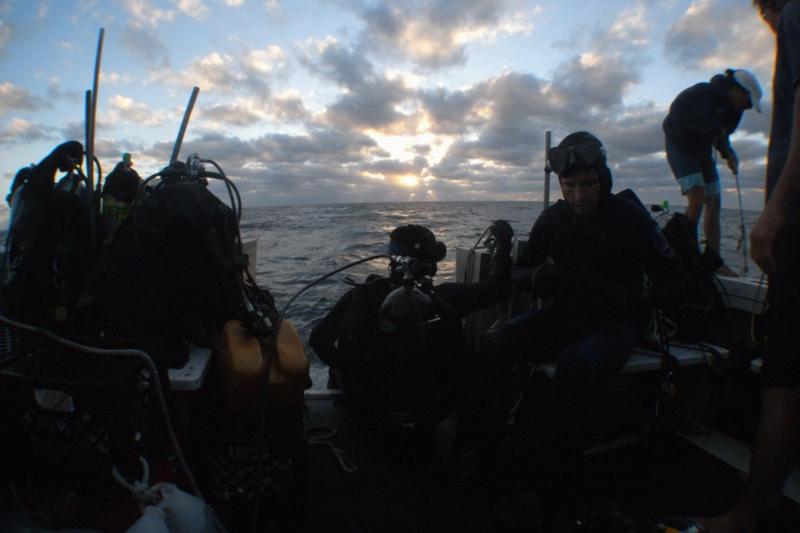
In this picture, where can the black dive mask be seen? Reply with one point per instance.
(564, 159)
(405, 267)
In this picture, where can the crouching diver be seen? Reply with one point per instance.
(397, 343)
(588, 256)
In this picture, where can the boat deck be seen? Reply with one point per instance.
(393, 492)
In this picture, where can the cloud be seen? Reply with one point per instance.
(193, 8)
(322, 166)
(144, 14)
(5, 35)
(709, 37)
(123, 109)
(115, 78)
(21, 131)
(595, 80)
(288, 107)
(435, 33)
(234, 114)
(451, 112)
(42, 10)
(54, 91)
(250, 72)
(340, 64)
(234, 3)
(146, 46)
(13, 98)
(499, 123)
(368, 100)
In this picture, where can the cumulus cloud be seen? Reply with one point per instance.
(193, 8)
(502, 120)
(21, 131)
(369, 100)
(234, 3)
(123, 109)
(234, 114)
(436, 33)
(13, 98)
(144, 14)
(251, 72)
(710, 37)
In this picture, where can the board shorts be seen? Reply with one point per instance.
(693, 170)
(782, 354)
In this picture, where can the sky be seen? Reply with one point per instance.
(306, 102)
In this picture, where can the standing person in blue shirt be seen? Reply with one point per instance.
(701, 119)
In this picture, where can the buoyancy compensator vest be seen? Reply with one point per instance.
(173, 268)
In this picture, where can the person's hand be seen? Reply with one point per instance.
(501, 230)
(762, 237)
(733, 162)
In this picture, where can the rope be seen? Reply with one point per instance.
(471, 257)
(345, 463)
(151, 367)
(141, 490)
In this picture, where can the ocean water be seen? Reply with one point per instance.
(297, 245)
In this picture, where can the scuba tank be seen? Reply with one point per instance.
(242, 364)
(413, 362)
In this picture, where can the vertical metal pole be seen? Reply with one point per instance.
(89, 148)
(95, 84)
(742, 231)
(188, 113)
(547, 137)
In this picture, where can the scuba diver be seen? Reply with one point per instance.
(588, 256)
(46, 248)
(397, 345)
(119, 192)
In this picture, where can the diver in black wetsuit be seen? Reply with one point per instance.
(398, 342)
(587, 256)
(47, 247)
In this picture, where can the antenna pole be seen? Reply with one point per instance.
(188, 113)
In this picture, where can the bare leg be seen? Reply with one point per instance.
(695, 198)
(711, 222)
(777, 441)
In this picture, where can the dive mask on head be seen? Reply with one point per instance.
(563, 159)
(411, 267)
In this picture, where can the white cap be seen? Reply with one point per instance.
(749, 83)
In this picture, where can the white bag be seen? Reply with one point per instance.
(177, 512)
